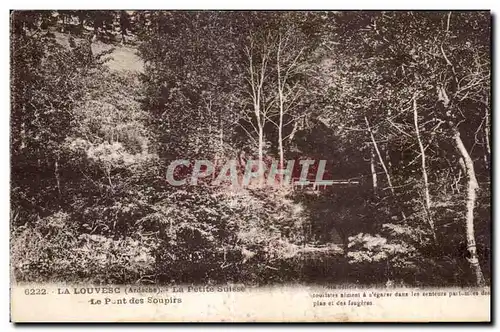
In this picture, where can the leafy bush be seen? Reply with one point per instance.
(53, 250)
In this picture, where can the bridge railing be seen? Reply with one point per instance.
(314, 186)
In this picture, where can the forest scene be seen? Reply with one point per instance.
(397, 104)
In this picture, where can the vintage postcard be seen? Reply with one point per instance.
(250, 166)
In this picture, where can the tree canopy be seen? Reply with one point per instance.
(397, 103)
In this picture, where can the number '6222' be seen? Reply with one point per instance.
(35, 291)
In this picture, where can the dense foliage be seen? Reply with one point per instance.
(397, 101)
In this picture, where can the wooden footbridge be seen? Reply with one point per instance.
(297, 184)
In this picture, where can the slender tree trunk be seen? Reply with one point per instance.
(281, 102)
(388, 158)
(22, 135)
(220, 151)
(487, 137)
(221, 134)
(280, 141)
(261, 154)
(427, 195)
(487, 130)
(257, 77)
(261, 146)
(374, 171)
(294, 131)
(472, 187)
(381, 160)
(56, 174)
(485, 154)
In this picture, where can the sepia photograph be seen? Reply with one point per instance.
(222, 159)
